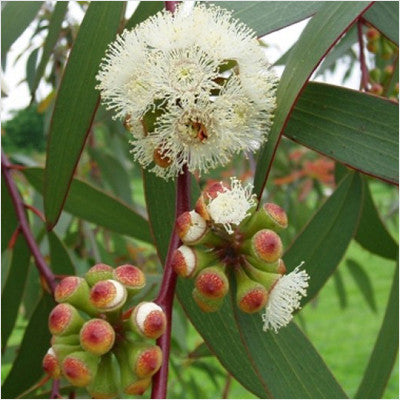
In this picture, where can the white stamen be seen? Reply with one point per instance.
(189, 257)
(231, 206)
(120, 294)
(285, 298)
(143, 310)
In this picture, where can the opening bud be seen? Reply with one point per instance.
(64, 319)
(212, 282)
(264, 246)
(208, 194)
(251, 296)
(104, 385)
(80, 368)
(99, 272)
(97, 336)
(145, 360)
(74, 290)
(107, 296)
(131, 277)
(51, 365)
(207, 304)
(191, 227)
(149, 320)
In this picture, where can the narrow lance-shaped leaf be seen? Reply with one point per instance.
(355, 128)
(385, 350)
(31, 67)
(76, 103)
(8, 219)
(61, 263)
(144, 10)
(320, 34)
(340, 289)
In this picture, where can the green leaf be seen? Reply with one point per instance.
(91, 204)
(363, 282)
(15, 18)
(54, 29)
(144, 10)
(76, 103)
(384, 16)
(31, 67)
(9, 219)
(318, 37)
(13, 291)
(61, 263)
(385, 350)
(354, 128)
(201, 350)
(269, 16)
(340, 289)
(324, 240)
(27, 367)
(372, 233)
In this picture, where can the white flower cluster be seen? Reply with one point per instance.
(193, 86)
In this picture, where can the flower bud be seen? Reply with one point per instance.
(265, 246)
(387, 51)
(148, 319)
(191, 227)
(107, 296)
(251, 296)
(131, 277)
(51, 365)
(97, 336)
(208, 194)
(145, 360)
(63, 350)
(64, 319)
(99, 272)
(80, 368)
(375, 75)
(188, 261)
(68, 339)
(74, 290)
(373, 46)
(372, 34)
(267, 279)
(377, 89)
(104, 385)
(276, 267)
(212, 282)
(207, 304)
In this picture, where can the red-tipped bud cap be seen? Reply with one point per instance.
(138, 387)
(131, 277)
(184, 261)
(80, 368)
(281, 267)
(149, 320)
(372, 34)
(266, 245)
(51, 365)
(146, 360)
(97, 336)
(64, 319)
(99, 272)
(207, 304)
(191, 227)
(108, 295)
(212, 283)
(277, 214)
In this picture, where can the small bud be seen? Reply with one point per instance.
(212, 282)
(191, 227)
(375, 75)
(131, 277)
(99, 272)
(80, 368)
(149, 320)
(373, 46)
(51, 365)
(74, 290)
(267, 279)
(64, 350)
(377, 89)
(251, 296)
(265, 246)
(188, 261)
(145, 360)
(104, 384)
(276, 267)
(107, 296)
(64, 319)
(387, 51)
(97, 336)
(208, 194)
(206, 304)
(372, 34)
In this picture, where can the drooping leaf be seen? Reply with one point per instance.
(61, 263)
(363, 282)
(269, 16)
(76, 103)
(340, 289)
(31, 67)
(385, 351)
(54, 29)
(13, 291)
(8, 219)
(320, 34)
(324, 240)
(355, 128)
(384, 16)
(144, 10)
(91, 204)
(372, 233)
(15, 18)
(27, 367)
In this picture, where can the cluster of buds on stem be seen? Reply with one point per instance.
(98, 342)
(226, 236)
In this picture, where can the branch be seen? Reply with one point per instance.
(363, 65)
(24, 225)
(166, 295)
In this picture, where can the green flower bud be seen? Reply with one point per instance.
(97, 336)
(212, 282)
(69, 339)
(51, 365)
(207, 304)
(131, 277)
(277, 267)
(108, 296)
(99, 272)
(375, 75)
(64, 319)
(105, 383)
(267, 279)
(188, 261)
(80, 368)
(148, 319)
(264, 246)
(63, 350)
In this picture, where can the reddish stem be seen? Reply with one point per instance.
(363, 65)
(35, 211)
(166, 295)
(55, 389)
(171, 5)
(24, 225)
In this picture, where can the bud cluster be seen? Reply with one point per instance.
(225, 235)
(99, 344)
